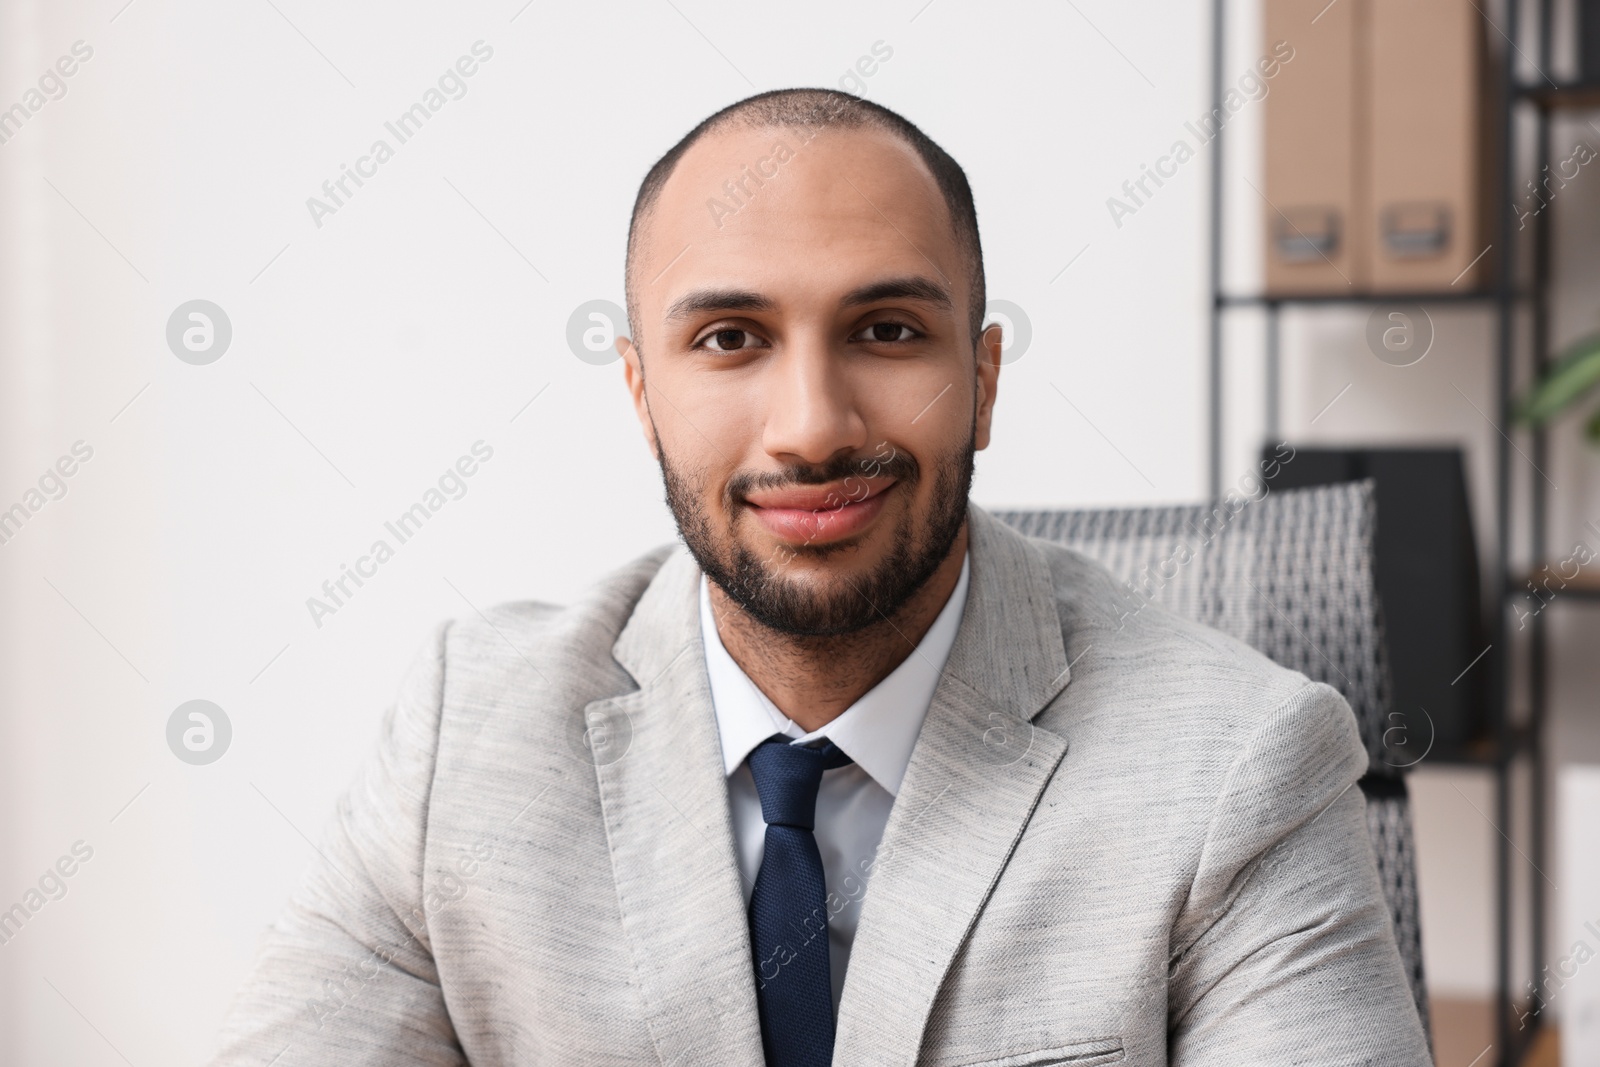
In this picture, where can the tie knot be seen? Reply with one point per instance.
(788, 776)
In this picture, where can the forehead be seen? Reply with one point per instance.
(793, 212)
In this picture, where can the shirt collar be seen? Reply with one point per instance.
(878, 731)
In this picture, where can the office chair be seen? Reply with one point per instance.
(1291, 574)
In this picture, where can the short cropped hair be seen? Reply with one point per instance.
(813, 109)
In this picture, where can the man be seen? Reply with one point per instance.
(858, 775)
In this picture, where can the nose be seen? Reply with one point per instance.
(812, 412)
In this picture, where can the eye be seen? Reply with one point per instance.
(886, 333)
(729, 339)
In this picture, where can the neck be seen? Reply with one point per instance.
(813, 680)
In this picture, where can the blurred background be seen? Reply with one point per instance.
(237, 339)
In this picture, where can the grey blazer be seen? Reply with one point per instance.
(1120, 839)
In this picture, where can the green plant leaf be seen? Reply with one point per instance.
(1575, 373)
(1592, 431)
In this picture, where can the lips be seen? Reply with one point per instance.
(820, 514)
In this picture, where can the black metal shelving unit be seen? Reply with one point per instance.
(1514, 296)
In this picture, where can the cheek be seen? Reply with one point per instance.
(696, 419)
(927, 413)
(916, 397)
(695, 463)
(709, 425)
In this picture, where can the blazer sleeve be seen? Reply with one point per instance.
(346, 976)
(1284, 951)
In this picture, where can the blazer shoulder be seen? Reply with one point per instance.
(1150, 667)
(535, 643)
(1203, 735)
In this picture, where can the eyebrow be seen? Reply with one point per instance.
(913, 287)
(701, 301)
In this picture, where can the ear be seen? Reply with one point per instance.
(989, 353)
(633, 374)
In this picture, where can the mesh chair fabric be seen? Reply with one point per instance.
(1290, 574)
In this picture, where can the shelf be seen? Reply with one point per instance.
(1586, 586)
(1481, 755)
(1570, 96)
(1515, 727)
(1482, 751)
(1465, 296)
(1478, 754)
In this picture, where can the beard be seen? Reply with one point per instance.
(921, 542)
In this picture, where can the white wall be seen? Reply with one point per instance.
(377, 348)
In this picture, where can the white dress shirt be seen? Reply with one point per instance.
(877, 732)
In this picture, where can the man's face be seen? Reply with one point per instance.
(808, 380)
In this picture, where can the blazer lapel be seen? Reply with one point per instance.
(976, 773)
(664, 795)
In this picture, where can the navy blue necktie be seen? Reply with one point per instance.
(789, 907)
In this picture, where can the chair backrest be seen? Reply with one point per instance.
(1290, 573)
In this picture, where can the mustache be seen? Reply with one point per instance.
(897, 465)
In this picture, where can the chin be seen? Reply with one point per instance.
(831, 589)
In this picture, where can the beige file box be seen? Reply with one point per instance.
(1312, 174)
(1427, 135)
(1377, 138)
